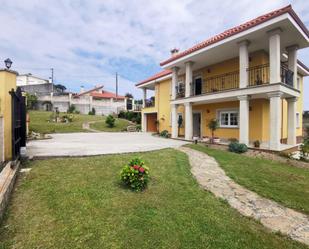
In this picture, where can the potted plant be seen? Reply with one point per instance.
(256, 144)
(213, 125)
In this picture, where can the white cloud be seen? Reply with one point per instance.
(45, 34)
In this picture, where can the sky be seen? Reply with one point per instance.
(87, 42)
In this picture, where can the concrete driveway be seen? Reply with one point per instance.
(87, 144)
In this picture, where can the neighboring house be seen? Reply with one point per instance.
(29, 79)
(248, 78)
(102, 101)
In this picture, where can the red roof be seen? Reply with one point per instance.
(238, 29)
(156, 76)
(105, 95)
(100, 94)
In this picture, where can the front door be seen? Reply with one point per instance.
(196, 125)
(198, 86)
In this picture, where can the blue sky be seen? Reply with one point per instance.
(87, 42)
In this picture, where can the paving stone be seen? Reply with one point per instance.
(272, 215)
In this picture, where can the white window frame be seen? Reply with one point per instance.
(297, 120)
(228, 111)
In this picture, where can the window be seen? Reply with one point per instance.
(228, 118)
(297, 120)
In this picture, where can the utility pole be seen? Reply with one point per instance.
(116, 86)
(52, 75)
(52, 78)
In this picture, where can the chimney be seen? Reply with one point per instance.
(174, 51)
(82, 89)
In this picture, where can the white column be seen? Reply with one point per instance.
(244, 119)
(275, 120)
(292, 62)
(189, 76)
(243, 63)
(292, 120)
(174, 81)
(188, 121)
(174, 122)
(144, 122)
(274, 55)
(144, 97)
(70, 99)
(90, 103)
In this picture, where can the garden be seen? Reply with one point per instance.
(94, 202)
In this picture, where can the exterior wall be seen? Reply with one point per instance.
(299, 109)
(38, 89)
(1, 140)
(23, 80)
(83, 104)
(7, 83)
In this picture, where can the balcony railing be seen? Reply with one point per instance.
(257, 75)
(150, 102)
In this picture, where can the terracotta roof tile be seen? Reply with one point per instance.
(156, 76)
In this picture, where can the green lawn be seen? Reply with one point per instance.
(79, 203)
(39, 122)
(278, 181)
(120, 125)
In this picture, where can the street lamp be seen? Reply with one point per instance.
(8, 63)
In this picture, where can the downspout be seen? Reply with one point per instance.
(281, 120)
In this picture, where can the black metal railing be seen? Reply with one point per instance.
(286, 75)
(180, 91)
(217, 83)
(258, 75)
(150, 102)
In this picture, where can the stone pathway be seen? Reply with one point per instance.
(272, 215)
(86, 126)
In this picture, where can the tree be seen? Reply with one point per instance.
(110, 121)
(32, 100)
(213, 125)
(129, 95)
(60, 87)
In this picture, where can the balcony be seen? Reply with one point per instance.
(258, 75)
(150, 102)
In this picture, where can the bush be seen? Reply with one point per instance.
(304, 150)
(138, 127)
(92, 112)
(135, 175)
(164, 134)
(110, 121)
(131, 116)
(71, 109)
(237, 147)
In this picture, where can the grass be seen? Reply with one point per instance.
(79, 203)
(120, 125)
(39, 122)
(285, 184)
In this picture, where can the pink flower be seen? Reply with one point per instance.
(141, 169)
(136, 167)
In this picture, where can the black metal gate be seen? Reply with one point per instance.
(18, 122)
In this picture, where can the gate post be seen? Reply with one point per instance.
(7, 82)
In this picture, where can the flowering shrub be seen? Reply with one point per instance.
(135, 175)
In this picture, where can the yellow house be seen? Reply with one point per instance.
(248, 78)
(7, 83)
